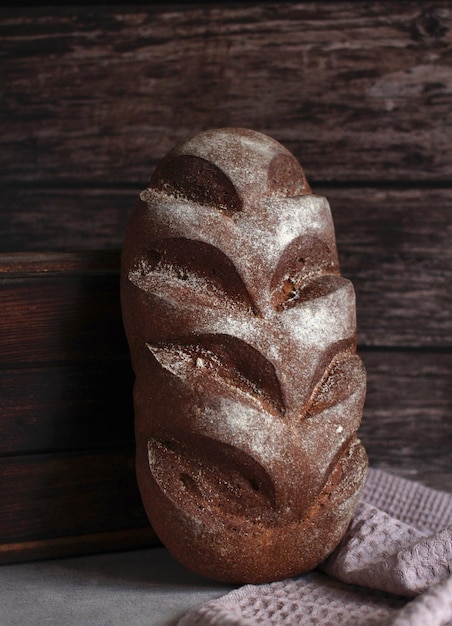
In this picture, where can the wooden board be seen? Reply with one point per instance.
(357, 90)
(394, 246)
(406, 426)
(67, 484)
(53, 495)
(77, 218)
(51, 503)
(76, 545)
(66, 407)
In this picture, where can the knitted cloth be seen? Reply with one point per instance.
(392, 568)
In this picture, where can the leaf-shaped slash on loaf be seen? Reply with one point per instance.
(197, 180)
(228, 360)
(189, 272)
(307, 269)
(205, 476)
(344, 376)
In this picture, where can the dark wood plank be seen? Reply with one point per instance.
(355, 90)
(406, 426)
(49, 496)
(74, 407)
(77, 545)
(395, 247)
(23, 263)
(64, 219)
(60, 318)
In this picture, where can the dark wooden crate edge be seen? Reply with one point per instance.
(71, 539)
(78, 545)
(66, 504)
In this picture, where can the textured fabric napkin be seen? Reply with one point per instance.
(392, 568)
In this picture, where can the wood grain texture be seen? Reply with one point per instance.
(395, 247)
(79, 218)
(47, 319)
(22, 264)
(86, 406)
(407, 425)
(74, 545)
(48, 496)
(355, 90)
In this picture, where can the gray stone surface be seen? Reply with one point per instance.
(142, 588)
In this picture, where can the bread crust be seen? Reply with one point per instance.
(242, 331)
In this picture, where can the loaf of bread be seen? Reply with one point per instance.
(242, 332)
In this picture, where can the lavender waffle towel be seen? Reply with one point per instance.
(393, 568)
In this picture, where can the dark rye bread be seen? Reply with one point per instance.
(248, 392)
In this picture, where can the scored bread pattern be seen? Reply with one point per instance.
(242, 331)
(198, 274)
(228, 360)
(196, 271)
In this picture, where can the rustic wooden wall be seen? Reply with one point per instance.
(91, 98)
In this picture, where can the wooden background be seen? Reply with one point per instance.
(90, 99)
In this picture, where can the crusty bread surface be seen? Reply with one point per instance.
(242, 332)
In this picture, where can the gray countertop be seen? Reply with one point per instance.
(146, 587)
